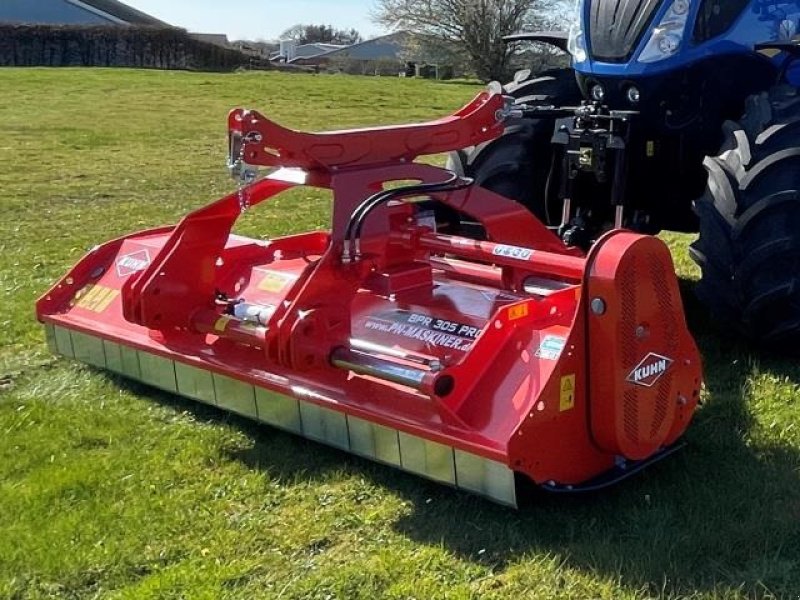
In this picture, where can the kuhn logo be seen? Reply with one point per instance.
(650, 370)
(133, 263)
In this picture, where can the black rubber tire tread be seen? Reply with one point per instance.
(516, 165)
(749, 244)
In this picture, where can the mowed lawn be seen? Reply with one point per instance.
(109, 489)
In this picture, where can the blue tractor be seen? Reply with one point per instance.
(676, 115)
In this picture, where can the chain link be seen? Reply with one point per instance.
(241, 167)
(243, 173)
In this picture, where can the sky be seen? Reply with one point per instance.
(260, 19)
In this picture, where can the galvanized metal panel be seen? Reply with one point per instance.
(130, 362)
(279, 410)
(63, 342)
(374, 441)
(485, 477)
(235, 396)
(157, 371)
(427, 458)
(423, 457)
(195, 383)
(113, 356)
(324, 425)
(50, 336)
(88, 349)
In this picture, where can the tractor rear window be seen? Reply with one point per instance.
(716, 17)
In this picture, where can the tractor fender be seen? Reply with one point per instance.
(559, 39)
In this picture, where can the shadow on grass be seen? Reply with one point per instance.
(723, 514)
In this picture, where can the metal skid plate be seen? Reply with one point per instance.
(377, 442)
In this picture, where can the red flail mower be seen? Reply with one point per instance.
(477, 362)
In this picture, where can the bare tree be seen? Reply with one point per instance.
(476, 27)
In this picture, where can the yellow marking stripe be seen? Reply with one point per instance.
(222, 323)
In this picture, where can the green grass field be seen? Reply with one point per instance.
(112, 490)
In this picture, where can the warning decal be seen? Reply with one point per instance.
(95, 298)
(520, 311)
(567, 393)
(274, 281)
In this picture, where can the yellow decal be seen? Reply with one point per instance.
(651, 149)
(95, 298)
(567, 393)
(275, 282)
(520, 311)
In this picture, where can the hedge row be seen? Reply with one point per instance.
(112, 46)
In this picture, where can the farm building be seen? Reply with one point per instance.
(293, 53)
(89, 12)
(385, 55)
(218, 39)
(74, 12)
(388, 47)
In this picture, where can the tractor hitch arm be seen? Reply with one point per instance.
(258, 141)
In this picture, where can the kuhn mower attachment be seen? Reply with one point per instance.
(467, 361)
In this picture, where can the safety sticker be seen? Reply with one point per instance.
(520, 311)
(95, 298)
(551, 347)
(567, 393)
(133, 263)
(512, 252)
(435, 332)
(275, 282)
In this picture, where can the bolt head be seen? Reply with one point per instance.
(598, 306)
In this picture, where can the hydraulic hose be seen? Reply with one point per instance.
(359, 216)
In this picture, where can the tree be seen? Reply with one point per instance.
(475, 27)
(321, 34)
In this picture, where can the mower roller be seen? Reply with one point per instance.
(476, 362)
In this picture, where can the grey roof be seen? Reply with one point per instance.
(51, 12)
(123, 12)
(74, 12)
(391, 46)
(218, 39)
(309, 50)
(386, 46)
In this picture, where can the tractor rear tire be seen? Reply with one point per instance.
(749, 244)
(517, 164)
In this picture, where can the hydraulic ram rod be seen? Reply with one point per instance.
(546, 263)
(229, 327)
(428, 382)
